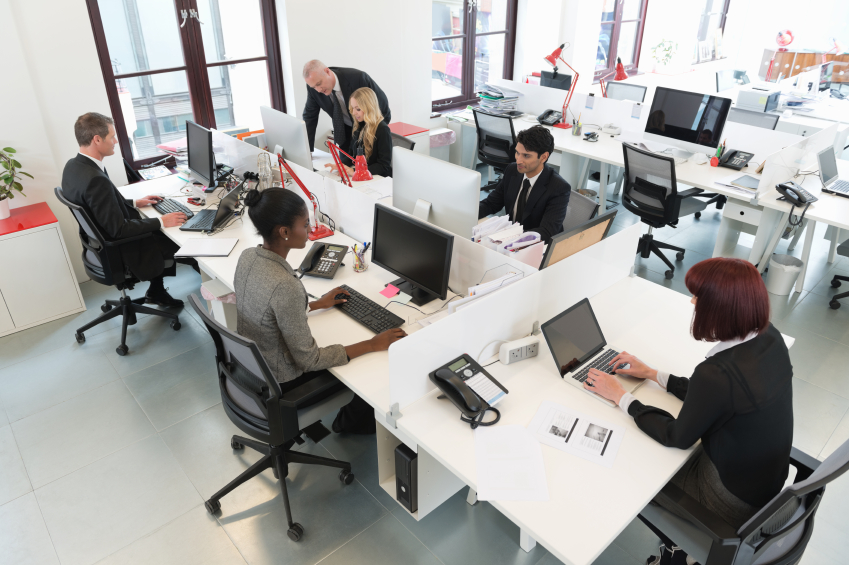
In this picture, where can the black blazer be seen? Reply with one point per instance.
(349, 81)
(86, 185)
(545, 210)
(380, 162)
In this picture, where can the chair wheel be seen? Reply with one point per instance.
(669, 274)
(80, 337)
(834, 304)
(235, 444)
(346, 477)
(212, 506)
(175, 325)
(679, 256)
(122, 350)
(698, 215)
(296, 532)
(106, 308)
(835, 283)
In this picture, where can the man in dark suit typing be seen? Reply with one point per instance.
(330, 89)
(533, 194)
(86, 183)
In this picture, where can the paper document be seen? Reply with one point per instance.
(377, 188)
(509, 464)
(207, 247)
(154, 172)
(589, 438)
(744, 183)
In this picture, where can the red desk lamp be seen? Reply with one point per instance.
(620, 75)
(361, 171)
(552, 60)
(318, 231)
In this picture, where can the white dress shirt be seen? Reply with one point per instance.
(527, 195)
(337, 91)
(103, 168)
(663, 377)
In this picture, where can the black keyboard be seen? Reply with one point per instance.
(368, 312)
(201, 222)
(168, 206)
(600, 363)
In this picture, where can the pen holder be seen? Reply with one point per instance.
(360, 263)
(576, 130)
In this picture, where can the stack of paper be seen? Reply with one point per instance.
(509, 464)
(177, 147)
(491, 226)
(497, 100)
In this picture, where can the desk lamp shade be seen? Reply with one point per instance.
(361, 171)
(784, 38)
(552, 60)
(620, 70)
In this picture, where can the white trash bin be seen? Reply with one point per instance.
(782, 275)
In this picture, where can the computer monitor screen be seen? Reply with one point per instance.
(415, 251)
(825, 76)
(828, 165)
(555, 80)
(568, 243)
(689, 120)
(624, 91)
(573, 336)
(288, 133)
(201, 159)
(725, 80)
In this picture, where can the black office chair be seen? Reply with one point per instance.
(401, 141)
(777, 535)
(651, 192)
(103, 263)
(274, 420)
(842, 249)
(496, 143)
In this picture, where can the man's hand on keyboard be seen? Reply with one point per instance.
(173, 219)
(147, 201)
(604, 385)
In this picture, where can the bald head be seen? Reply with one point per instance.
(319, 77)
(312, 67)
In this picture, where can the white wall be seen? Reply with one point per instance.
(388, 39)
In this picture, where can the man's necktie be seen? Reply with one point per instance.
(338, 123)
(520, 205)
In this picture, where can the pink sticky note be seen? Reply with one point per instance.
(389, 291)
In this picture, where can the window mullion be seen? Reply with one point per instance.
(199, 90)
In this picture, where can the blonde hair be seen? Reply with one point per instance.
(372, 117)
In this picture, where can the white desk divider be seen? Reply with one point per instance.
(783, 164)
(351, 210)
(507, 314)
(240, 155)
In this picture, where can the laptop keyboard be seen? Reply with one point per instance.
(202, 220)
(167, 206)
(840, 186)
(600, 363)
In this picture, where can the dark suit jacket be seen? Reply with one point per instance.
(380, 162)
(86, 185)
(349, 81)
(545, 210)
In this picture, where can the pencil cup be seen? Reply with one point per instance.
(576, 130)
(360, 264)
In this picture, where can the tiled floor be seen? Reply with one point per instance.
(107, 459)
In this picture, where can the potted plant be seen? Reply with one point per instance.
(9, 177)
(663, 52)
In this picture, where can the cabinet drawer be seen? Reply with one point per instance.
(742, 212)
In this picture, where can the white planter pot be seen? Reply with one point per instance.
(4, 209)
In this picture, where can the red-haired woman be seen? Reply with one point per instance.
(738, 402)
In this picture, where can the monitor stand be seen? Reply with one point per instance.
(420, 296)
(422, 209)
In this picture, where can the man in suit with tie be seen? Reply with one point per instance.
(330, 89)
(86, 183)
(533, 194)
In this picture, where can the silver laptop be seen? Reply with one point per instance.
(578, 345)
(828, 174)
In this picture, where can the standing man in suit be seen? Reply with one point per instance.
(534, 195)
(330, 89)
(86, 183)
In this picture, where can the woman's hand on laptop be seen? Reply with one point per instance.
(604, 385)
(637, 368)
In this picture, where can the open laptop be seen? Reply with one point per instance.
(577, 345)
(209, 220)
(828, 174)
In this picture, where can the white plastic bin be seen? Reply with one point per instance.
(782, 275)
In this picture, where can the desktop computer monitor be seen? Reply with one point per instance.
(289, 133)
(436, 191)
(414, 250)
(826, 73)
(568, 243)
(201, 158)
(624, 91)
(725, 80)
(555, 80)
(690, 121)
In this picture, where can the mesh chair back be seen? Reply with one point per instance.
(496, 139)
(649, 188)
(401, 141)
(580, 209)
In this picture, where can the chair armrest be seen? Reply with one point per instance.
(804, 463)
(323, 385)
(689, 192)
(689, 508)
(122, 241)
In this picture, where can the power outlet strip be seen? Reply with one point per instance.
(519, 350)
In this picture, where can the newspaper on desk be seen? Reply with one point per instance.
(509, 464)
(587, 437)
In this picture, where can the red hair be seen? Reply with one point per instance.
(731, 299)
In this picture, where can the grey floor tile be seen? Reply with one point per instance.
(817, 413)
(654, 263)
(23, 535)
(824, 288)
(194, 537)
(14, 481)
(104, 507)
(53, 377)
(180, 387)
(781, 306)
(4, 419)
(459, 534)
(838, 438)
(814, 314)
(70, 435)
(638, 541)
(613, 555)
(385, 543)
(676, 283)
(818, 360)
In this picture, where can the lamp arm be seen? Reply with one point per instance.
(282, 163)
(603, 84)
(343, 172)
(571, 88)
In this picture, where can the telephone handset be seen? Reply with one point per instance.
(323, 260)
(550, 117)
(734, 159)
(456, 379)
(795, 194)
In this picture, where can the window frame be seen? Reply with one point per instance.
(613, 49)
(469, 38)
(195, 67)
(705, 17)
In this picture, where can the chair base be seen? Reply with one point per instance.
(127, 308)
(647, 245)
(835, 282)
(277, 459)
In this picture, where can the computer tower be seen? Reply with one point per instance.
(407, 477)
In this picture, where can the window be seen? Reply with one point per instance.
(472, 43)
(620, 35)
(214, 62)
(712, 22)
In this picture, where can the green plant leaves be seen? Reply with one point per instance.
(27, 174)
(17, 186)
(9, 150)
(16, 164)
